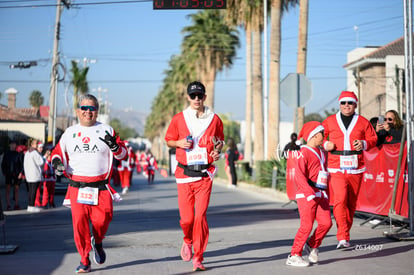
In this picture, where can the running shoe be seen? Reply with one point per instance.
(186, 252)
(296, 260)
(313, 253)
(83, 268)
(343, 244)
(198, 266)
(100, 256)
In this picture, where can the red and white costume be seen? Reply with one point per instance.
(126, 168)
(346, 166)
(88, 161)
(49, 182)
(194, 192)
(151, 166)
(313, 203)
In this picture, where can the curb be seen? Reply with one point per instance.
(265, 192)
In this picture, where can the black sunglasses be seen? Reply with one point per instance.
(389, 119)
(87, 107)
(345, 102)
(200, 96)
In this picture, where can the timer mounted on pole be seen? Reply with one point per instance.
(189, 4)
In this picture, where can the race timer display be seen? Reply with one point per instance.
(188, 4)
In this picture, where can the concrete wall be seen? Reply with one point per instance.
(34, 130)
(394, 93)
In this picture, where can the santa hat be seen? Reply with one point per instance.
(348, 96)
(310, 129)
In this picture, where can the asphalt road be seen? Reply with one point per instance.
(251, 232)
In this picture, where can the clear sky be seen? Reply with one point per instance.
(131, 45)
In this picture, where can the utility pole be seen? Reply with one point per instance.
(51, 131)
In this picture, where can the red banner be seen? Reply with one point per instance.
(377, 186)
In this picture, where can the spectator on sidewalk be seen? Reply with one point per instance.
(12, 168)
(49, 181)
(33, 171)
(394, 127)
(231, 156)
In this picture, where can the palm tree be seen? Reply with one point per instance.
(302, 49)
(212, 44)
(36, 99)
(249, 14)
(277, 9)
(79, 82)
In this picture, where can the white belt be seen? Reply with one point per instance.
(353, 171)
(311, 197)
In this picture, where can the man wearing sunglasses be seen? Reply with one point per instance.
(84, 154)
(347, 135)
(197, 135)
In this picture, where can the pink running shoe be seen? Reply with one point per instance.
(186, 252)
(198, 266)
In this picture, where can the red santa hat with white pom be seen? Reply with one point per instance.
(348, 96)
(310, 129)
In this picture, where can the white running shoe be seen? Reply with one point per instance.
(33, 209)
(296, 260)
(313, 253)
(343, 244)
(125, 190)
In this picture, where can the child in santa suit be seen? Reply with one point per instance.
(311, 179)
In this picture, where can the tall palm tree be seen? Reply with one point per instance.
(212, 44)
(249, 14)
(79, 82)
(302, 50)
(277, 9)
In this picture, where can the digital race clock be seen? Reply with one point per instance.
(188, 4)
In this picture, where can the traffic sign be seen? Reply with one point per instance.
(296, 90)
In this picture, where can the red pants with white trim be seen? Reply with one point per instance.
(344, 190)
(99, 216)
(48, 193)
(309, 211)
(193, 200)
(125, 177)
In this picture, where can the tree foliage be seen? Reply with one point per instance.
(123, 131)
(231, 128)
(79, 82)
(36, 99)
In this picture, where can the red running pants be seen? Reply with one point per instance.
(193, 200)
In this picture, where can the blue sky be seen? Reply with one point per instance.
(132, 44)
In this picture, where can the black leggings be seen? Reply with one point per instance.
(233, 174)
(32, 192)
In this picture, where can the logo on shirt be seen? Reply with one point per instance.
(86, 140)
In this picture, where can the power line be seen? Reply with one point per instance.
(78, 4)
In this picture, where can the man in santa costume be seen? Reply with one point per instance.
(197, 135)
(347, 135)
(84, 154)
(311, 178)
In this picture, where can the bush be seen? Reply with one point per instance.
(264, 173)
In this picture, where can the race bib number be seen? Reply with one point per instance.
(322, 182)
(349, 162)
(88, 195)
(197, 156)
